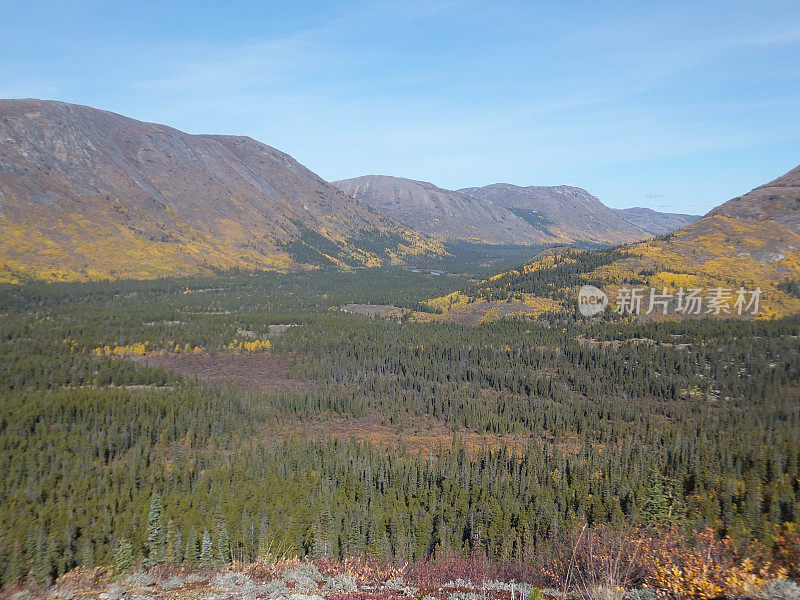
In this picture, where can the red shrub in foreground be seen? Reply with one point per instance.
(363, 596)
(450, 566)
(439, 570)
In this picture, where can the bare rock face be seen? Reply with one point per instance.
(86, 193)
(562, 214)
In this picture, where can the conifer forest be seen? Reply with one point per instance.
(223, 420)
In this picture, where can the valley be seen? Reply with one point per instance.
(348, 434)
(385, 300)
(378, 370)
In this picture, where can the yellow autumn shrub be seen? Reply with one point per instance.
(711, 568)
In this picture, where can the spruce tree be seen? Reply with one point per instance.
(15, 568)
(156, 542)
(41, 561)
(173, 550)
(87, 558)
(318, 544)
(657, 508)
(123, 557)
(206, 550)
(192, 552)
(224, 545)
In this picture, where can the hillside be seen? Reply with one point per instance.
(508, 214)
(654, 222)
(445, 213)
(750, 242)
(89, 194)
(563, 214)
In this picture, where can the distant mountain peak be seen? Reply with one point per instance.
(654, 222)
(432, 210)
(564, 214)
(499, 212)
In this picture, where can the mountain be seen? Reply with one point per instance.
(751, 242)
(562, 214)
(498, 213)
(445, 213)
(753, 239)
(777, 202)
(89, 194)
(654, 222)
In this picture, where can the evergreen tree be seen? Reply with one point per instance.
(41, 561)
(206, 557)
(156, 542)
(173, 548)
(87, 558)
(123, 557)
(318, 545)
(224, 548)
(192, 553)
(661, 505)
(15, 568)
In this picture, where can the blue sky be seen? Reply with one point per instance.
(676, 106)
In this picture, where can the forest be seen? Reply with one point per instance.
(110, 449)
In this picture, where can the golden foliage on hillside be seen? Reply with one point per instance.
(715, 252)
(75, 249)
(78, 250)
(458, 307)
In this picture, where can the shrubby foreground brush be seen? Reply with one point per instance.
(595, 563)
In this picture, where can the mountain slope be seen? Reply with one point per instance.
(654, 222)
(497, 213)
(89, 194)
(749, 242)
(563, 214)
(433, 210)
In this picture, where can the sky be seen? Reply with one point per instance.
(677, 106)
